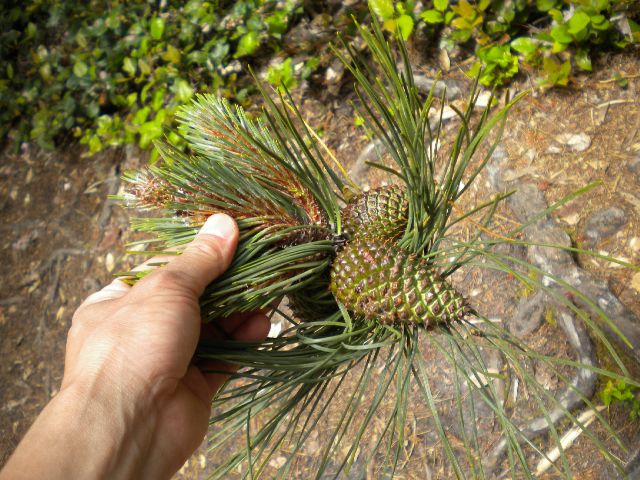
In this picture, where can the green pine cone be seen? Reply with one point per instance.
(384, 283)
(373, 277)
(382, 209)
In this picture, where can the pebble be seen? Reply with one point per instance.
(483, 99)
(277, 462)
(634, 244)
(604, 223)
(449, 87)
(529, 316)
(448, 113)
(572, 219)
(635, 282)
(554, 149)
(109, 262)
(577, 142)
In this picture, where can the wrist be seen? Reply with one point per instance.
(106, 432)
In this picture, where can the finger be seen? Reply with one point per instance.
(215, 373)
(116, 289)
(254, 329)
(222, 328)
(204, 259)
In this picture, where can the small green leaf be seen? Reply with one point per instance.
(524, 45)
(129, 66)
(80, 69)
(157, 100)
(157, 28)
(556, 15)
(555, 73)
(281, 75)
(183, 90)
(145, 68)
(32, 30)
(405, 25)
(382, 8)
(583, 61)
(141, 116)
(390, 25)
(441, 5)
(560, 34)
(172, 55)
(248, 44)
(149, 132)
(559, 47)
(599, 22)
(131, 98)
(545, 5)
(578, 22)
(81, 40)
(95, 145)
(465, 10)
(432, 16)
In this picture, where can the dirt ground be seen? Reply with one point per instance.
(62, 239)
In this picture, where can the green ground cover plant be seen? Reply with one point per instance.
(552, 38)
(116, 75)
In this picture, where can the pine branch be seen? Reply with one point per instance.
(393, 251)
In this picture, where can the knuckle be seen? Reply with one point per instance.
(210, 250)
(163, 279)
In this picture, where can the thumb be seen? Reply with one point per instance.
(207, 256)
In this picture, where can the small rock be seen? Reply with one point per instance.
(448, 113)
(554, 149)
(333, 74)
(529, 316)
(577, 142)
(483, 99)
(604, 223)
(277, 462)
(634, 244)
(444, 60)
(109, 262)
(450, 88)
(531, 155)
(572, 219)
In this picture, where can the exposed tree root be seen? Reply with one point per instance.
(582, 385)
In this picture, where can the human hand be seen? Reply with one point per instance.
(132, 400)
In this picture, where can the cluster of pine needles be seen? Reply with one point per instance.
(336, 368)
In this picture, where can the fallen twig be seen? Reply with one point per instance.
(585, 419)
